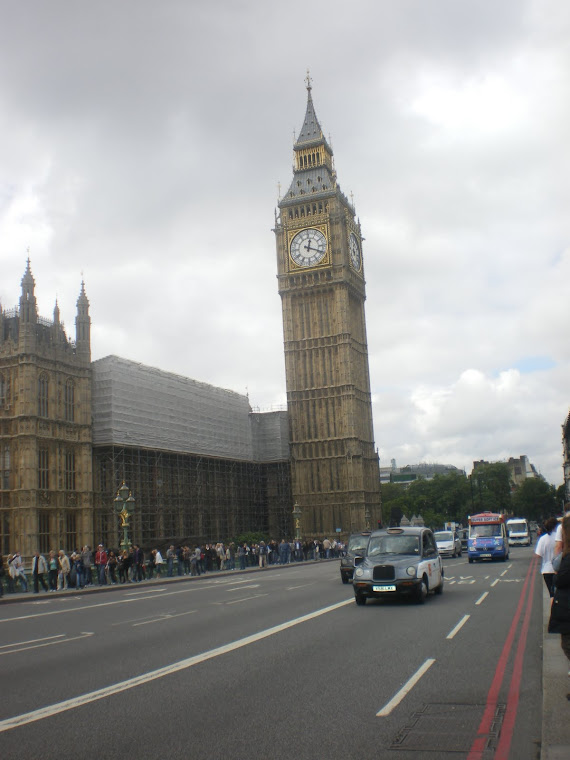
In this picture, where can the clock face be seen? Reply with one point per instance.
(354, 249)
(308, 248)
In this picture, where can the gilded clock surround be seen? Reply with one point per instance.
(292, 234)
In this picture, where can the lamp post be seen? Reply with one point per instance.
(297, 512)
(123, 502)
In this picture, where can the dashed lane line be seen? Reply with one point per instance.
(108, 691)
(406, 688)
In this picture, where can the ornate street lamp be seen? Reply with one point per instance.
(124, 503)
(297, 512)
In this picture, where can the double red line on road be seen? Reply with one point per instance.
(506, 735)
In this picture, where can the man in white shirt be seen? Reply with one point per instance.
(558, 536)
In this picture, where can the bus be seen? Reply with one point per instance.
(487, 537)
(518, 531)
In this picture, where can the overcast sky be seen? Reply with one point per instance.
(143, 144)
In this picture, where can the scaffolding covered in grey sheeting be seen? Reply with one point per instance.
(139, 406)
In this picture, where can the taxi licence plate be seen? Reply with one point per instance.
(383, 588)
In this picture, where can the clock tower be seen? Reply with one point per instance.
(334, 464)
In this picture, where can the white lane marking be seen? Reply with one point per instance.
(166, 616)
(245, 599)
(504, 572)
(481, 598)
(304, 585)
(241, 588)
(108, 691)
(406, 688)
(146, 591)
(450, 583)
(494, 583)
(458, 627)
(94, 606)
(32, 641)
(17, 649)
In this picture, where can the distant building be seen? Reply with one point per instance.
(410, 472)
(519, 469)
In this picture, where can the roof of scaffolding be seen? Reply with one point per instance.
(140, 406)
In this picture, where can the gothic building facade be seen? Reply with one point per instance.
(200, 463)
(334, 464)
(46, 492)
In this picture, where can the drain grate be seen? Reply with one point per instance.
(447, 728)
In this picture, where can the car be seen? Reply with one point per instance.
(448, 543)
(355, 551)
(464, 538)
(399, 562)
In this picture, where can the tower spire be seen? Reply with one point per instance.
(83, 325)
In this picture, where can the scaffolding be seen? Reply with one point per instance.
(201, 465)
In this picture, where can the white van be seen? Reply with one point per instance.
(518, 531)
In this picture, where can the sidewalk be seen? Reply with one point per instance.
(555, 687)
(20, 596)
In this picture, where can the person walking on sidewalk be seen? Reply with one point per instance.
(52, 571)
(545, 550)
(101, 558)
(17, 571)
(560, 611)
(64, 570)
(39, 569)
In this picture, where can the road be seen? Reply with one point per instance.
(280, 664)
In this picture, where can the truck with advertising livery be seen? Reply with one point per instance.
(487, 537)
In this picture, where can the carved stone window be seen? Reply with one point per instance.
(69, 401)
(43, 469)
(43, 396)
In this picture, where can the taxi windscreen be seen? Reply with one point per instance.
(393, 545)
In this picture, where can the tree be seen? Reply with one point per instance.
(535, 499)
(491, 488)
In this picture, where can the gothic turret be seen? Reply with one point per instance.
(28, 312)
(83, 326)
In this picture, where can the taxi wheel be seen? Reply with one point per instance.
(360, 599)
(344, 578)
(422, 593)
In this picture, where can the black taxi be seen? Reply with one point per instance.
(399, 562)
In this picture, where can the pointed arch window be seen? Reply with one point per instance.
(5, 468)
(69, 470)
(43, 469)
(69, 401)
(43, 396)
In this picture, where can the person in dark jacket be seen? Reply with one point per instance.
(560, 612)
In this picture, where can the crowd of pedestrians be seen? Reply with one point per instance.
(60, 571)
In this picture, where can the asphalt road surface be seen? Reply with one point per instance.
(277, 664)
